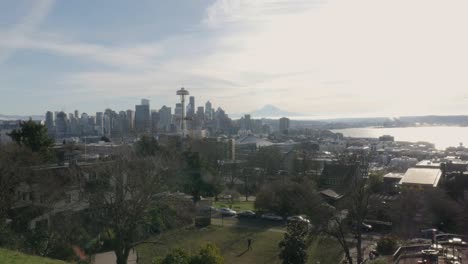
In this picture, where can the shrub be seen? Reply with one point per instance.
(387, 245)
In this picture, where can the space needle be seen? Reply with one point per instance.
(182, 92)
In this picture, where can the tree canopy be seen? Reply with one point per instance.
(32, 135)
(288, 198)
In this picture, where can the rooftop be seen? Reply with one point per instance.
(250, 139)
(422, 176)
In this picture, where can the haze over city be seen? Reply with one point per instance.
(323, 58)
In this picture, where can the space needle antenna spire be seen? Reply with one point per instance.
(182, 93)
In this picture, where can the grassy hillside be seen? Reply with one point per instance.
(14, 257)
(233, 244)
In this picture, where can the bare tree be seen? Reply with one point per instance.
(122, 196)
(348, 218)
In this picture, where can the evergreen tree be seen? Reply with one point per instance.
(294, 246)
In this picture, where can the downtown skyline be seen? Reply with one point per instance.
(242, 55)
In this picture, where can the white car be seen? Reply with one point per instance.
(227, 212)
(298, 218)
(271, 216)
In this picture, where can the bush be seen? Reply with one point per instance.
(387, 245)
(176, 256)
(209, 254)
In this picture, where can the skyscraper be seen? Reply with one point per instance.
(145, 102)
(178, 114)
(131, 120)
(142, 118)
(191, 107)
(208, 111)
(283, 125)
(61, 125)
(165, 118)
(99, 127)
(49, 122)
(154, 121)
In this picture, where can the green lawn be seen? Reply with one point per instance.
(238, 206)
(233, 243)
(14, 257)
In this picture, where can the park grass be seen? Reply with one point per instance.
(232, 242)
(15, 257)
(237, 205)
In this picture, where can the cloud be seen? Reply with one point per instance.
(315, 57)
(135, 56)
(38, 12)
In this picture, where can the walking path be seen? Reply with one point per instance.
(109, 258)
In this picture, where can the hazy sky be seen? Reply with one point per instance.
(317, 57)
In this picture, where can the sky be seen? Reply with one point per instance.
(324, 58)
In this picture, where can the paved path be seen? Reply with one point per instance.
(233, 222)
(109, 258)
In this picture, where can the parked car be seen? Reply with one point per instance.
(246, 214)
(364, 227)
(271, 216)
(298, 218)
(227, 212)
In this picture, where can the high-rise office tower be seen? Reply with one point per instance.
(99, 127)
(61, 125)
(165, 118)
(178, 114)
(107, 124)
(154, 121)
(191, 106)
(283, 125)
(49, 122)
(247, 122)
(142, 118)
(145, 102)
(208, 111)
(131, 120)
(77, 114)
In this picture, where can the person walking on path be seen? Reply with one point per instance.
(249, 244)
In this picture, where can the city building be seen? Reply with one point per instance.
(131, 120)
(50, 123)
(145, 102)
(421, 178)
(61, 125)
(208, 111)
(142, 118)
(165, 118)
(284, 125)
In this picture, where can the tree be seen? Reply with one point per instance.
(176, 256)
(147, 146)
(209, 254)
(336, 222)
(121, 198)
(32, 135)
(294, 245)
(288, 198)
(358, 208)
(267, 158)
(387, 245)
(198, 180)
(15, 163)
(333, 224)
